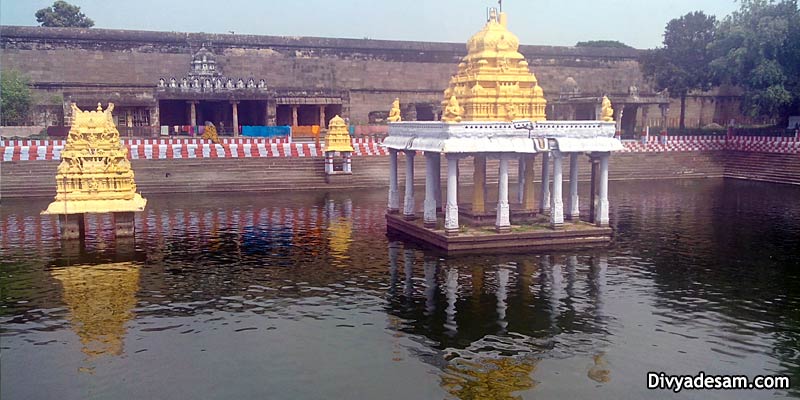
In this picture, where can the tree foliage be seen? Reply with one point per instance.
(682, 65)
(603, 43)
(758, 49)
(15, 98)
(63, 14)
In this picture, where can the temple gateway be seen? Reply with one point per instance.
(494, 108)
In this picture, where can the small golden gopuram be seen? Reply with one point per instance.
(95, 175)
(394, 113)
(338, 138)
(606, 112)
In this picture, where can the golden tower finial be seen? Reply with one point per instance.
(606, 112)
(493, 82)
(338, 138)
(394, 113)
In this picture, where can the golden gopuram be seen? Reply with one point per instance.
(494, 109)
(95, 175)
(493, 82)
(338, 140)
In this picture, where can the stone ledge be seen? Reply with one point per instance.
(566, 237)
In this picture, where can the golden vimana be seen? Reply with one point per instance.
(94, 175)
(493, 82)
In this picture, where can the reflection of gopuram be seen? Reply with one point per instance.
(95, 175)
(489, 378)
(517, 305)
(100, 299)
(341, 232)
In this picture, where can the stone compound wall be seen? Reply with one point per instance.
(124, 66)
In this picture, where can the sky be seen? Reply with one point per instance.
(638, 23)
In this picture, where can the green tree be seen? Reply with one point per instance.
(758, 49)
(603, 43)
(15, 98)
(682, 65)
(63, 14)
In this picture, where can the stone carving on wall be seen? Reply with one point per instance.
(205, 74)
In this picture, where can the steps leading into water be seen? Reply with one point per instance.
(37, 178)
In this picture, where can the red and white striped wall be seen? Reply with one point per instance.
(150, 149)
(153, 149)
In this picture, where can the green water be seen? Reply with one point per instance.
(302, 296)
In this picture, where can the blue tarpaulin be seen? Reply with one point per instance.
(266, 131)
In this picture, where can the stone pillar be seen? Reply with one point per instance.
(235, 105)
(593, 189)
(479, 185)
(408, 201)
(602, 193)
(329, 162)
(573, 209)
(129, 123)
(503, 224)
(124, 224)
(271, 112)
(556, 200)
(322, 116)
(429, 214)
(520, 178)
(451, 209)
(528, 192)
(294, 115)
(348, 162)
(193, 114)
(438, 181)
(73, 226)
(394, 195)
(544, 195)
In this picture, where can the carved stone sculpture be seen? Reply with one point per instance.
(452, 111)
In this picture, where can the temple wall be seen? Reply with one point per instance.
(106, 62)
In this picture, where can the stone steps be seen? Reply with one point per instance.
(37, 178)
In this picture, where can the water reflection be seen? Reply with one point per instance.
(341, 231)
(701, 276)
(489, 378)
(100, 299)
(489, 326)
